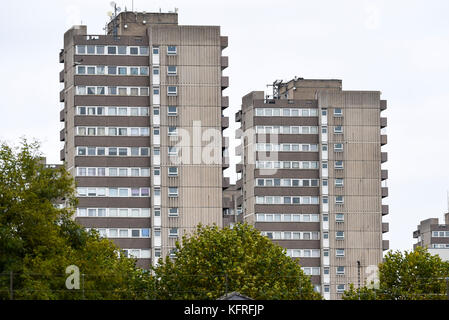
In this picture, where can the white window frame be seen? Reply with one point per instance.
(172, 53)
(173, 194)
(171, 93)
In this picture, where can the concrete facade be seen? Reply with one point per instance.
(434, 236)
(137, 104)
(318, 190)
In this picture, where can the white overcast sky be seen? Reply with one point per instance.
(399, 47)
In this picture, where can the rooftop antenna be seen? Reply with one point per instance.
(113, 17)
(277, 85)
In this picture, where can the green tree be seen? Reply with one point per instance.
(414, 275)
(214, 261)
(39, 240)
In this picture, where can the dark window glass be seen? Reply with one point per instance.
(112, 70)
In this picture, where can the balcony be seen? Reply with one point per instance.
(61, 96)
(416, 234)
(224, 102)
(383, 105)
(224, 62)
(385, 227)
(383, 139)
(385, 245)
(223, 42)
(226, 183)
(238, 167)
(385, 209)
(239, 201)
(224, 142)
(227, 202)
(238, 133)
(225, 163)
(61, 135)
(238, 116)
(383, 157)
(62, 115)
(383, 122)
(61, 76)
(61, 56)
(224, 82)
(62, 155)
(384, 192)
(384, 174)
(239, 184)
(238, 150)
(224, 123)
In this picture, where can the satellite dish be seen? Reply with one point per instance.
(112, 3)
(119, 9)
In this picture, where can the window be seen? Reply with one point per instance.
(172, 171)
(101, 151)
(144, 71)
(172, 90)
(172, 151)
(340, 253)
(338, 147)
(80, 49)
(339, 217)
(123, 192)
(145, 233)
(338, 112)
(123, 233)
(338, 164)
(339, 200)
(133, 50)
(339, 182)
(173, 212)
(143, 50)
(173, 232)
(144, 91)
(171, 70)
(340, 288)
(112, 50)
(144, 151)
(340, 235)
(171, 50)
(81, 70)
(340, 270)
(155, 50)
(100, 49)
(100, 69)
(112, 70)
(172, 131)
(121, 49)
(144, 192)
(338, 129)
(172, 191)
(91, 151)
(135, 233)
(144, 172)
(172, 110)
